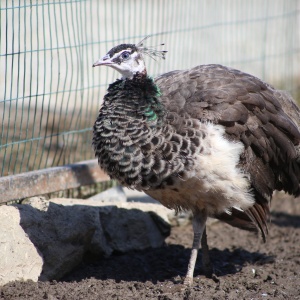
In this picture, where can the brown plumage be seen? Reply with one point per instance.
(210, 139)
(251, 111)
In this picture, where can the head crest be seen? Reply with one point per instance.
(151, 51)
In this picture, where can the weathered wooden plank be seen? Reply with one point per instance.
(50, 180)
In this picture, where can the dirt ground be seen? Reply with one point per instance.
(245, 268)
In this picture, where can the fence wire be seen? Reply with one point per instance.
(50, 94)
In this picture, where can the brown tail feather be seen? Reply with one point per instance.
(237, 219)
(253, 219)
(259, 216)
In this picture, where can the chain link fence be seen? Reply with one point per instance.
(50, 94)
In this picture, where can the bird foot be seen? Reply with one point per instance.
(188, 281)
(208, 270)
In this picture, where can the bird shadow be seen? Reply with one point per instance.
(160, 264)
(283, 219)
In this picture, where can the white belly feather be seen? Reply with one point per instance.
(216, 183)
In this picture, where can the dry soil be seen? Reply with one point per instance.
(245, 267)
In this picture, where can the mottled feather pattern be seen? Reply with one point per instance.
(134, 143)
(250, 111)
(150, 136)
(264, 119)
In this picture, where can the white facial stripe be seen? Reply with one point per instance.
(119, 53)
(106, 57)
(129, 66)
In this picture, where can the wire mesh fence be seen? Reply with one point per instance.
(50, 94)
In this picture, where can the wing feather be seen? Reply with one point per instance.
(266, 120)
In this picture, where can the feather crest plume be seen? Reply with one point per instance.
(151, 51)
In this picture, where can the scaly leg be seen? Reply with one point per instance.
(199, 221)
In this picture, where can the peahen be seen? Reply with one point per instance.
(211, 139)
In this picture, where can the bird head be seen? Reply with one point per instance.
(128, 59)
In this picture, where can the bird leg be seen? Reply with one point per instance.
(206, 264)
(199, 221)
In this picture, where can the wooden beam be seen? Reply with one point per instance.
(50, 180)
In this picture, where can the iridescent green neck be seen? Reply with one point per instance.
(137, 96)
(150, 114)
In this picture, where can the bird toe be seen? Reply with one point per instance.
(188, 281)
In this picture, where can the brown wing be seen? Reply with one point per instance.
(264, 119)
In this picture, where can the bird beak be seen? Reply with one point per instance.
(104, 61)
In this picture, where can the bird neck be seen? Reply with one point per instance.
(131, 115)
(136, 99)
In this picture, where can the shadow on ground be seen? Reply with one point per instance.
(246, 267)
(161, 264)
(283, 219)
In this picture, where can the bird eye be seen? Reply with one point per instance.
(125, 55)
